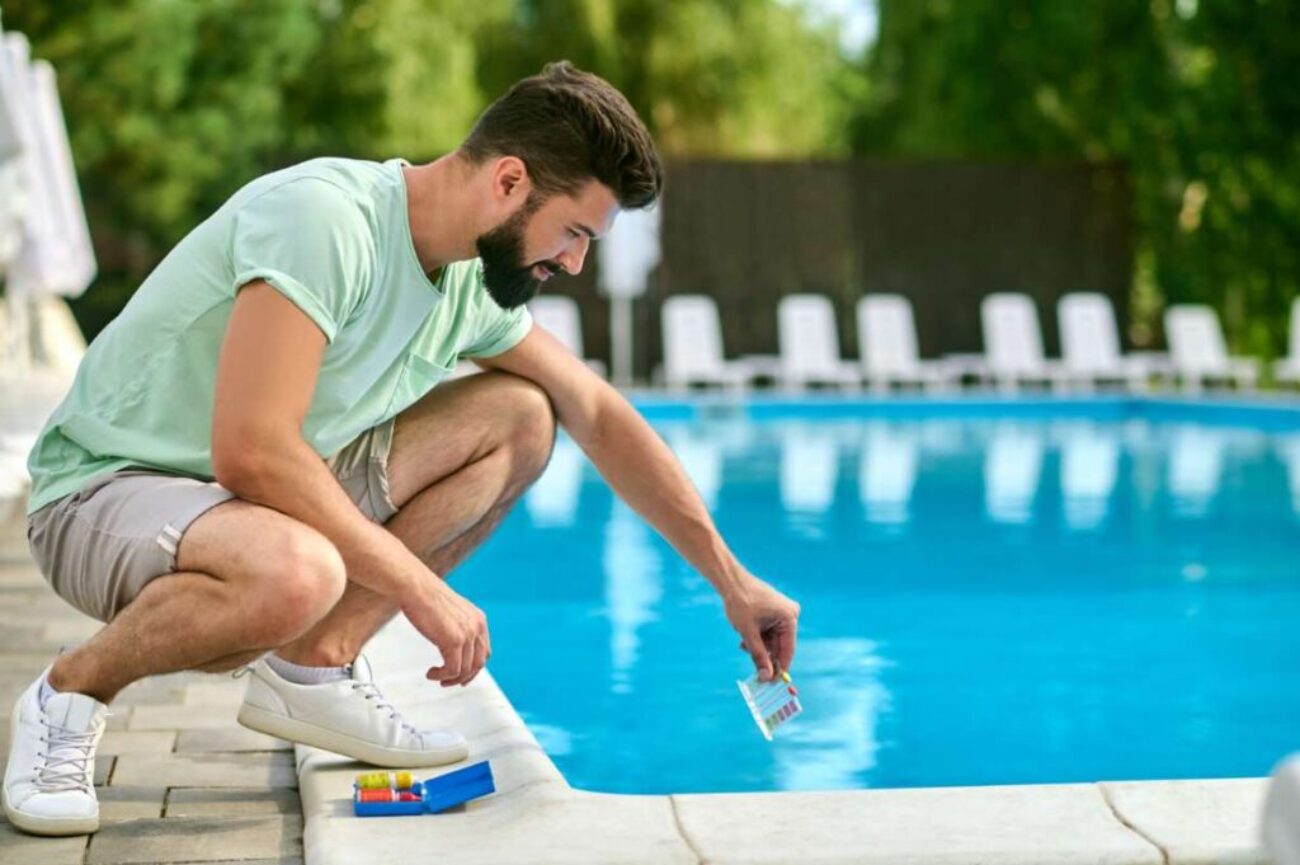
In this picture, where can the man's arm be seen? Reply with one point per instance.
(644, 473)
(265, 379)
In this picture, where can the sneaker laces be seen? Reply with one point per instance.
(371, 691)
(67, 762)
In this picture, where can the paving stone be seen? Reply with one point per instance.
(207, 802)
(223, 692)
(17, 848)
(117, 742)
(72, 631)
(118, 803)
(227, 739)
(196, 839)
(1196, 822)
(207, 770)
(103, 770)
(151, 692)
(179, 718)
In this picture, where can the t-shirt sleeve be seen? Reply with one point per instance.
(497, 330)
(310, 241)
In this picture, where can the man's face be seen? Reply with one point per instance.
(541, 238)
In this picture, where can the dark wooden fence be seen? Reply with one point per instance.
(943, 234)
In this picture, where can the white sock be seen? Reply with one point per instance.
(300, 675)
(47, 691)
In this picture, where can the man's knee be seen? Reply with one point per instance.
(300, 580)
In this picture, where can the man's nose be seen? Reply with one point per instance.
(574, 256)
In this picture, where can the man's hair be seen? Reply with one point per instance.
(569, 127)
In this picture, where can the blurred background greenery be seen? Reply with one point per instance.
(173, 104)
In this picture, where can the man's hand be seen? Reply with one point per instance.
(457, 627)
(767, 621)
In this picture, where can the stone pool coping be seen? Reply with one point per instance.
(536, 817)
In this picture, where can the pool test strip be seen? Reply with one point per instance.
(770, 703)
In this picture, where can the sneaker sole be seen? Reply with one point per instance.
(32, 824)
(349, 746)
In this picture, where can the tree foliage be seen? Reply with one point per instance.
(172, 104)
(1199, 100)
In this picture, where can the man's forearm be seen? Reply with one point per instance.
(645, 474)
(284, 473)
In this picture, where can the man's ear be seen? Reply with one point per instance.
(510, 179)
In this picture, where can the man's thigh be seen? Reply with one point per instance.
(101, 545)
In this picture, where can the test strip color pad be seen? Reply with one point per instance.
(770, 703)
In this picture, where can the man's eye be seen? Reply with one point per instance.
(572, 233)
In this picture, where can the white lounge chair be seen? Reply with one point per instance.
(810, 343)
(559, 315)
(1013, 343)
(1090, 349)
(1198, 352)
(692, 342)
(1288, 368)
(887, 346)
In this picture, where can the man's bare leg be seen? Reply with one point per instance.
(249, 579)
(503, 429)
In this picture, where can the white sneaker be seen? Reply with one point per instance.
(49, 784)
(349, 717)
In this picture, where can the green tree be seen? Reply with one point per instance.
(1198, 102)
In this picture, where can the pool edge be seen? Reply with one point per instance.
(536, 816)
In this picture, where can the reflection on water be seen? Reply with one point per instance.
(633, 589)
(1012, 466)
(1195, 467)
(841, 677)
(984, 601)
(1288, 449)
(887, 473)
(1089, 469)
(553, 499)
(809, 468)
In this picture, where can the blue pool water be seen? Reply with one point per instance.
(1018, 593)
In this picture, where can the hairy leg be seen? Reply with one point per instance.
(249, 578)
(460, 458)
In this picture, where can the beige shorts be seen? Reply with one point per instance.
(99, 546)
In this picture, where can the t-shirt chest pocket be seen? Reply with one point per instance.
(417, 376)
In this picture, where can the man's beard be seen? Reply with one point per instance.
(509, 280)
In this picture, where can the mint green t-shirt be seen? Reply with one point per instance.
(331, 235)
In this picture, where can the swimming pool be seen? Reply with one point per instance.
(993, 592)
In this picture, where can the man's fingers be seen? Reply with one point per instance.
(758, 652)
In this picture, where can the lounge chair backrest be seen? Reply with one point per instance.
(810, 345)
(1012, 339)
(1195, 338)
(1089, 336)
(692, 335)
(559, 315)
(887, 334)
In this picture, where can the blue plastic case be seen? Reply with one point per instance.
(435, 794)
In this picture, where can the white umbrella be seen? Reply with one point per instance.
(11, 186)
(627, 255)
(56, 255)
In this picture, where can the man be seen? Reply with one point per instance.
(254, 458)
